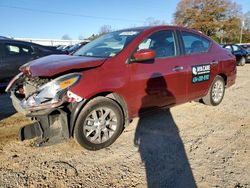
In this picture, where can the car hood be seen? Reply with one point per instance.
(56, 64)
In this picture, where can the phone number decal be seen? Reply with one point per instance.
(200, 73)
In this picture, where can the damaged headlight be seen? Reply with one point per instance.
(51, 94)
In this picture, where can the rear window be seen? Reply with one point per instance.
(194, 43)
(235, 48)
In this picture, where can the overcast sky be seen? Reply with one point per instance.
(54, 18)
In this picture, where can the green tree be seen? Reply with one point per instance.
(219, 19)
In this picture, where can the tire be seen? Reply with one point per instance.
(93, 129)
(215, 93)
(242, 61)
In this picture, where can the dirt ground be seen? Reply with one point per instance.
(187, 146)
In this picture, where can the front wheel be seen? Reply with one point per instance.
(216, 92)
(99, 124)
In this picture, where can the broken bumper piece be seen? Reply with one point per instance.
(48, 129)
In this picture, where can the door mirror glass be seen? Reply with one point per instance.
(144, 55)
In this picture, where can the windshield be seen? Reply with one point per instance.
(108, 45)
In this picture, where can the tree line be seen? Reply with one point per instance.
(222, 20)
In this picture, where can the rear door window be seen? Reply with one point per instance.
(26, 50)
(228, 47)
(235, 48)
(194, 44)
(12, 50)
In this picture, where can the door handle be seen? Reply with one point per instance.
(178, 68)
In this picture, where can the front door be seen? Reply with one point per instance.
(162, 81)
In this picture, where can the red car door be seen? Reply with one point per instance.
(162, 81)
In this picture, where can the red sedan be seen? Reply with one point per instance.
(94, 93)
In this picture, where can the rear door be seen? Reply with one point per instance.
(162, 81)
(1, 61)
(238, 52)
(200, 63)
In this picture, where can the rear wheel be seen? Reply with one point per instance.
(99, 124)
(216, 92)
(242, 61)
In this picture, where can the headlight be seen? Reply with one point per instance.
(51, 94)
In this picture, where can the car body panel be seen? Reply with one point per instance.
(55, 64)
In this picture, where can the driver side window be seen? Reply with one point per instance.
(161, 42)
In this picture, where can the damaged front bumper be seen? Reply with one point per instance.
(50, 125)
(47, 105)
(42, 109)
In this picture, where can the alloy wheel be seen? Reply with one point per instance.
(100, 125)
(217, 91)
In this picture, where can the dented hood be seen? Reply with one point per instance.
(56, 64)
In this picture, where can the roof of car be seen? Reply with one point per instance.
(158, 26)
(143, 28)
(2, 37)
(21, 42)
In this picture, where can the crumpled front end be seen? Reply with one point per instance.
(47, 101)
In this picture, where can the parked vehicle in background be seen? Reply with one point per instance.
(242, 56)
(66, 48)
(60, 47)
(75, 47)
(14, 53)
(51, 47)
(2, 37)
(246, 47)
(95, 92)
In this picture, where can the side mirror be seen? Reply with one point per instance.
(144, 55)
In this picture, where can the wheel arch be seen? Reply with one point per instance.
(224, 76)
(111, 95)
